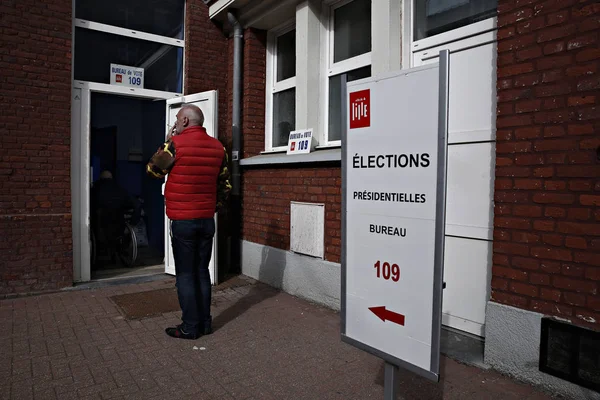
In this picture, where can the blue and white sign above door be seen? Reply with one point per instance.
(123, 75)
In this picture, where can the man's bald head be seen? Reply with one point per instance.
(194, 114)
(189, 115)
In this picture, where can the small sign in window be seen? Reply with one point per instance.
(123, 75)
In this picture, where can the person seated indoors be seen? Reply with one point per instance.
(109, 204)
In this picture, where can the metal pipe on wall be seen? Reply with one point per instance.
(236, 151)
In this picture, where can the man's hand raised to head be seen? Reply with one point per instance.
(172, 133)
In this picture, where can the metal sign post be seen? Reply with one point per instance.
(391, 382)
(394, 169)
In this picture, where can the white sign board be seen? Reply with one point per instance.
(394, 168)
(300, 142)
(123, 75)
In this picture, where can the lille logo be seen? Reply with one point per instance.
(119, 78)
(360, 109)
(293, 146)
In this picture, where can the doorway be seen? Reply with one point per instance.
(113, 129)
(124, 133)
(139, 118)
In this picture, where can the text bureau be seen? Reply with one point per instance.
(387, 230)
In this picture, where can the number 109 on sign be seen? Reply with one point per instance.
(387, 271)
(135, 80)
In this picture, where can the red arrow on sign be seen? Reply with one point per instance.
(388, 315)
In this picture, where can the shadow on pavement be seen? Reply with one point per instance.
(270, 277)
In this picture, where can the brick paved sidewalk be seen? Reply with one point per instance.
(267, 345)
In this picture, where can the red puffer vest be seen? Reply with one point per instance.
(191, 190)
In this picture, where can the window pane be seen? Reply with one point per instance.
(352, 30)
(336, 101)
(286, 56)
(433, 17)
(95, 51)
(161, 17)
(284, 116)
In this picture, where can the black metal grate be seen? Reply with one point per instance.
(571, 353)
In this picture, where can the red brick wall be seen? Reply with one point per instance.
(35, 194)
(206, 65)
(547, 223)
(267, 197)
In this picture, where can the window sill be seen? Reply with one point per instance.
(329, 146)
(274, 151)
(318, 156)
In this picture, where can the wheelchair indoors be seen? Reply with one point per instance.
(113, 239)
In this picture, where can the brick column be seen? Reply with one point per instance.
(35, 186)
(547, 223)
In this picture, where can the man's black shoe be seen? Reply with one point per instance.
(207, 331)
(179, 334)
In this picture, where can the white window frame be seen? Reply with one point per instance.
(443, 40)
(332, 68)
(272, 86)
(116, 30)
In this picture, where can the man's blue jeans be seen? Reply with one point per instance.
(192, 248)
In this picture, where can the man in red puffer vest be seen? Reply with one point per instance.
(197, 187)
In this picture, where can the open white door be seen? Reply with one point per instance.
(471, 162)
(207, 101)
